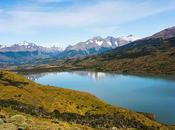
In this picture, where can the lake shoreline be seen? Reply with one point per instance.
(150, 86)
(57, 69)
(58, 104)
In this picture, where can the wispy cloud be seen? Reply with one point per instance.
(100, 14)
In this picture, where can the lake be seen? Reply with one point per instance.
(138, 93)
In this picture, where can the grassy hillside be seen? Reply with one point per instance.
(68, 108)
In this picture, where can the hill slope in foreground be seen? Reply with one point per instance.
(28, 105)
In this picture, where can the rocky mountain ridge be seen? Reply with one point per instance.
(26, 52)
(27, 46)
(99, 42)
(153, 55)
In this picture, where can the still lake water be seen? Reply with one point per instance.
(138, 93)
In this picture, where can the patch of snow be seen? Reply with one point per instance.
(116, 43)
(109, 43)
(99, 42)
(24, 43)
(2, 46)
(129, 38)
(87, 42)
(91, 41)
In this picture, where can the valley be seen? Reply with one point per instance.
(64, 108)
(87, 65)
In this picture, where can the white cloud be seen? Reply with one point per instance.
(105, 13)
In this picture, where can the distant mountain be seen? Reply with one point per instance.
(151, 55)
(165, 34)
(126, 39)
(30, 47)
(96, 45)
(1, 46)
(26, 52)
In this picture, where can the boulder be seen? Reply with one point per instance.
(17, 119)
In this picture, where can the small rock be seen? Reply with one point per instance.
(23, 126)
(17, 119)
(1, 121)
(8, 126)
(2, 115)
(114, 128)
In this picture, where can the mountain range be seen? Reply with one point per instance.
(29, 105)
(96, 45)
(151, 55)
(26, 46)
(25, 52)
(109, 48)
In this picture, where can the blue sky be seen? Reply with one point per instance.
(63, 22)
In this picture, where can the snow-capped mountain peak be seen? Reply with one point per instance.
(96, 40)
(91, 46)
(30, 47)
(111, 41)
(129, 38)
(24, 43)
(98, 43)
(126, 39)
(56, 48)
(27, 44)
(1, 46)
